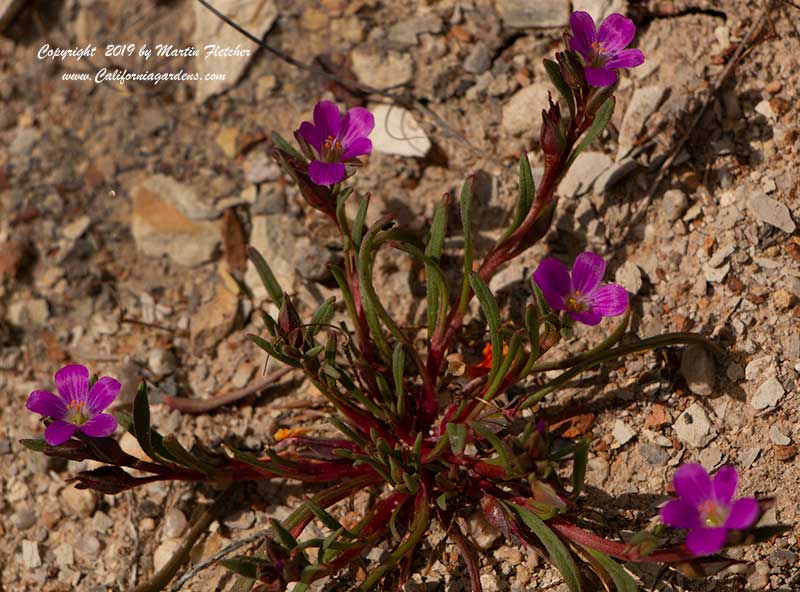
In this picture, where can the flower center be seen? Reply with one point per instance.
(599, 48)
(712, 514)
(77, 413)
(332, 149)
(575, 303)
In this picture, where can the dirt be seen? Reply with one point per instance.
(88, 276)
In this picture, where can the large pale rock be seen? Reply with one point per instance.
(255, 16)
(522, 14)
(382, 70)
(397, 132)
(693, 427)
(643, 104)
(159, 228)
(522, 112)
(214, 320)
(771, 211)
(699, 369)
(270, 236)
(587, 167)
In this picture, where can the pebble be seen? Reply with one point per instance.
(397, 132)
(23, 519)
(32, 312)
(241, 520)
(643, 104)
(770, 211)
(164, 552)
(629, 276)
(521, 14)
(382, 70)
(79, 502)
(517, 111)
(174, 523)
(481, 531)
(673, 204)
(776, 436)
(699, 369)
(654, 455)
(479, 60)
(30, 554)
(88, 546)
(102, 522)
(782, 558)
(622, 433)
(764, 108)
(214, 320)
(693, 427)
(65, 555)
(161, 362)
(490, 583)
(768, 394)
(75, 229)
(749, 456)
(710, 457)
(580, 177)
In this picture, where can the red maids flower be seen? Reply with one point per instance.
(707, 508)
(603, 49)
(336, 139)
(580, 293)
(78, 407)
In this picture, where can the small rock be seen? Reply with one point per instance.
(29, 313)
(489, 582)
(88, 546)
(629, 276)
(174, 523)
(782, 558)
(643, 104)
(226, 139)
(768, 394)
(778, 437)
(710, 457)
(102, 522)
(693, 427)
(313, 19)
(581, 176)
(654, 455)
(23, 519)
(164, 552)
(673, 204)
(765, 109)
(479, 60)
(615, 174)
(482, 532)
(65, 555)
(521, 14)
(30, 554)
(12, 254)
(241, 520)
(397, 132)
(382, 70)
(622, 432)
(259, 168)
(749, 456)
(699, 369)
(517, 111)
(770, 211)
(75, 229)
(79, 502)
(405, 32)
(179, 195)
(783, 299)
(161, 362)
(214, 320)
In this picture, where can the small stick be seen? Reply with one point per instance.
(204, 405)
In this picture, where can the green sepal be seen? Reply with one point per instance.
(267, 277)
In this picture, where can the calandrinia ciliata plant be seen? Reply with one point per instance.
(434, 438)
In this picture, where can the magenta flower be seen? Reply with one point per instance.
(603, 49)
(707, 507)
(336, 139)
(78, 407)
(580, 293)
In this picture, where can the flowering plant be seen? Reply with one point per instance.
(434, 441)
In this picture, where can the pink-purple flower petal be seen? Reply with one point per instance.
(706, 541)
(587, 317)
(724, 485)
(102, 394)
(59, 432)
(587, 271)
(610, 300)
(616, 32)
(679, 513)
(600, 76)
(47, 404)
(327, 119)
(326, 173)
(311, 135)
(628, 58)
(72, 382)
(358, 147)
(358, 123)
(583, 32)
(553, 280)
(692, 483)
(743, 513)
(100, 426)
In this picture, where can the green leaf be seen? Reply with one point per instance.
(554, 72)
(285, 146)
(527, 189)
(504, 456)
(601, 119)
(457, 434)
(268, 347)
(437, 233)
(327, 519)
(492, 312)
(398, 369)
(141, 421)
(185, 458)
(323, 315)
(249, 567)
(358, 223)
(286, 537)
(559, 554)
(466, 225)
(267, 277)
(35, 444)
(622, 580)
(579, 460)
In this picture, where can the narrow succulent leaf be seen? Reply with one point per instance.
(417, 450)
(323, 315)
(347, 294)
(328, 520)
(411, 483)
(441, 501)
(621, 578)
(558, 552)
(601, 119)
(270, 324)
(315, 351)
(385, 391)
(141, 421)
(457, 433)
(285, 146)
(272, 351)
(358, 223)
(437, 233)
(580, 460)
(504, 456)
(187, 459)
(347, 431)
(492, 313)
(341, 215)
(267, 277)
(285, 537)
(244, 566)
(466, 225)
(554, 72)
(527, 191)
(514, 347)
(398, 370)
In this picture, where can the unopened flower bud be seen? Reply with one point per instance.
(289, 322)
(552, 138)
(571, 69)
